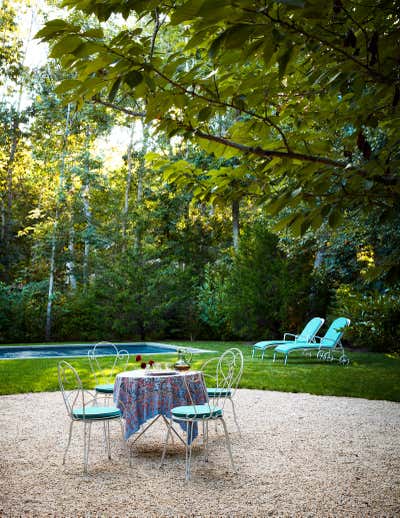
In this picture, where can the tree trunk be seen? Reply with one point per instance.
(88, 214)
(70, 265)
(7, 206)
(50, 296)
(127, 188)
(235, 224)
(3, 221)
(139, 195)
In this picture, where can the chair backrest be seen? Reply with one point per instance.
(237, 364)
(71, 387)
(335, 332)
(210, 378)
(229, 372)
(105, 358)
(232, 361)
(310, 330)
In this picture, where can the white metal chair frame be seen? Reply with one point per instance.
(238, 371)
(76, 397)
(225, 374)
(118, 362)
(333, 351)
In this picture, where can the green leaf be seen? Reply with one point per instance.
(94, 33)
(292, 3)
(335, 217)
(66, 85)
(134, 78)
(284, 222)
(186, 12)
(204, 113)
(215, 46)
(53, 27)
(66, 45)
(283, 61)
(114, 89)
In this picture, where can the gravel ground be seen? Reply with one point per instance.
(299, 455)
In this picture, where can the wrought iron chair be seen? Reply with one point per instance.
(105, 371)
(193, 414)
(213, 392)
(82, 406)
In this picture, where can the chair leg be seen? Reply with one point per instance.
(228, 444)
(105, 436)
(274, 357)
(235, 416)
(86, 444)
(205, 439)
(108, 440)
(69, 441)
(189, 443)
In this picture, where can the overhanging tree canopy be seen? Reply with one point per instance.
(311, 90)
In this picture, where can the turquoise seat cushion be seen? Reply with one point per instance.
(268, 343)
(196, 411)
(285, 348)
(106, 388)
(218, 392)
(97, 412)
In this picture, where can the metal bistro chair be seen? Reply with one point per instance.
(82, 406)
(213, 392)
(192, 413)
(105, 365)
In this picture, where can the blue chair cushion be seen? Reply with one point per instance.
(296, 345)
(107, 388)
(218, 392)
(97, 412)
(196, 411)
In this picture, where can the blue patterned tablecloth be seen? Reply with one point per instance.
(141, 397)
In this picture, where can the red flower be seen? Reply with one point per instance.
(138, 358)
(151, 363)
(143, 365)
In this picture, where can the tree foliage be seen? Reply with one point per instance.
(312, 90)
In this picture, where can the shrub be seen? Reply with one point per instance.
(375, 317)
(261, 294)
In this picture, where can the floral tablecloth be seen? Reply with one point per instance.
(141, 397)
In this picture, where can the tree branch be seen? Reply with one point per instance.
(265, 153)
(224, 104)
(294, 28)
(97, 100)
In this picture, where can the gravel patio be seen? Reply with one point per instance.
(299, 455)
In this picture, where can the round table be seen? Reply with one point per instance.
(143, 395)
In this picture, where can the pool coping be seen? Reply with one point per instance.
(173, 348)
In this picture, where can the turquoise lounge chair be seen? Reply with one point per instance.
(326, 345)
(307, 335)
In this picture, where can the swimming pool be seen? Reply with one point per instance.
(80, 350)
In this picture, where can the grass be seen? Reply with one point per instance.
(369, 375)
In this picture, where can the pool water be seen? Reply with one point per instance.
(79, 350)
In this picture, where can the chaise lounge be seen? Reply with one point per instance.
(325, 345)
(306, 336)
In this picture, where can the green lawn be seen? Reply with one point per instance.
(369, 375)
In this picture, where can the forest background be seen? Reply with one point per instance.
(188, 172)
